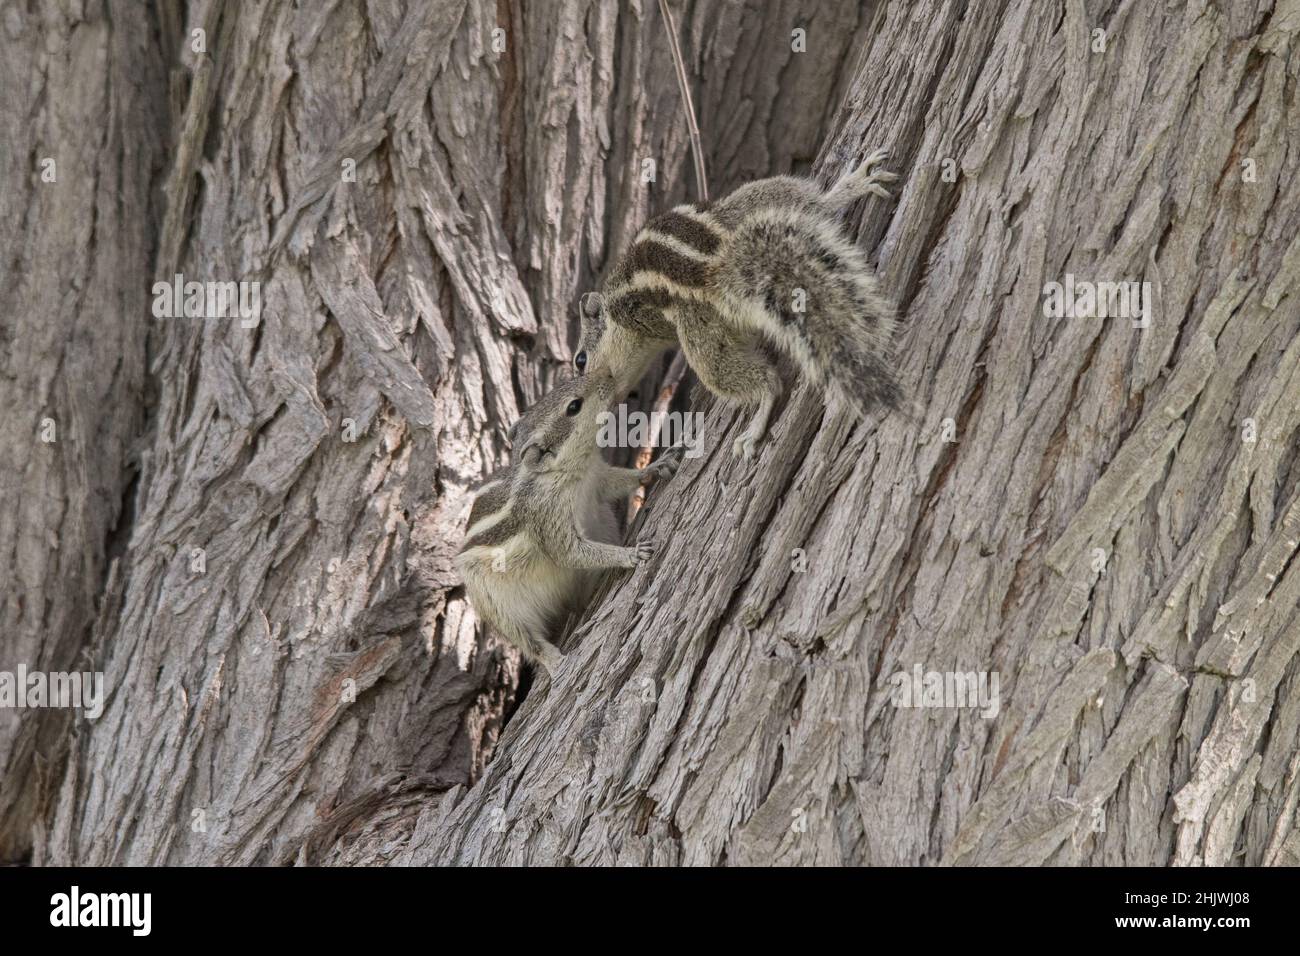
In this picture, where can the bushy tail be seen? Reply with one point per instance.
(795, 278)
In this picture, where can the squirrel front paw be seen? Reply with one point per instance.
(642, 551)
(873, 180)
(664, 468)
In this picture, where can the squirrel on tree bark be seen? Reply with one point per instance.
(542, 529)
(768, 262)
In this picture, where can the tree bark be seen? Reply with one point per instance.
(1105, 517)
(286, 649)
(1112, 528)
(85, 101)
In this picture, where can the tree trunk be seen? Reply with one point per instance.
(1104, 516)
(286, 650)
(85, 99)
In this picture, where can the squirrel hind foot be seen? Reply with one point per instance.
(549, 658)
(745, 446)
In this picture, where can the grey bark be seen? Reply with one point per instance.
(84, 101)
(1113, 530)
(286, 650)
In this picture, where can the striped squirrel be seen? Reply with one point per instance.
(769, 261)
(542, 529)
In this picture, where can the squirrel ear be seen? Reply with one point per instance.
(589, 304)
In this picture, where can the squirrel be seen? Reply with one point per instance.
(542, 529)
(769, 261)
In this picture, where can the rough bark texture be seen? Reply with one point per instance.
(83, 109)
(284, 643)
(1112, 528)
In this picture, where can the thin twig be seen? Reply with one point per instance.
(672, 378)
(677, 369)
(701, 181)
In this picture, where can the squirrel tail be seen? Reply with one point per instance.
(796, 279)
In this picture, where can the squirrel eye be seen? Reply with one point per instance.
(575, 406)
(580, 361)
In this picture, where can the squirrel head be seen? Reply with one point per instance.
(558, 433)
(609, 341)
(591, 316)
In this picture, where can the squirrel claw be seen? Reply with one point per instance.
(745, 446)
(665, 467)
(875, 158)
(870, 180)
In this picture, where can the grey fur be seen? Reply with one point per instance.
(769, 263)
(543, 529)
(689, 231)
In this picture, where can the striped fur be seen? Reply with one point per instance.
(795, 279)
(541, 531)
(769, 262)
(515, 587)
